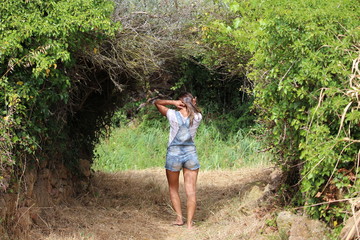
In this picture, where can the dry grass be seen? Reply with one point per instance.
(135, 205)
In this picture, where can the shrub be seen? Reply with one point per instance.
(300, 61)
(39, 42)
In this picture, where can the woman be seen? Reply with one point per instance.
(181, 152)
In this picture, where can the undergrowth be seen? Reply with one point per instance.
(141, 144)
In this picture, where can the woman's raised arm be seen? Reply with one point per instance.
(161, 105)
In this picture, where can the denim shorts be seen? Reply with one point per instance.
(179, 157)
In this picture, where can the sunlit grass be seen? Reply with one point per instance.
(139, 147)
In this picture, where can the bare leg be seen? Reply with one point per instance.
(190, 178)
(173, 181)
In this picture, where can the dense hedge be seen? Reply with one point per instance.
(40, 41)
(301, 59)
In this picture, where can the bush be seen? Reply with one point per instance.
(300, 62)
(39, 42)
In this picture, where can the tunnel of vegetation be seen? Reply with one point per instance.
(292, 68)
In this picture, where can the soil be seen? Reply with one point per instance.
(135, 205)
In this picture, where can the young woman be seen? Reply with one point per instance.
(181, 152)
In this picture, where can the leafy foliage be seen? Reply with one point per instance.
(295, 62)
(223, 98)
(299, 55)
(159, 47)
(39, 41)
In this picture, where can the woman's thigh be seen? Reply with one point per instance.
(173, 178)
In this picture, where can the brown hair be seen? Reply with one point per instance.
(187, 99)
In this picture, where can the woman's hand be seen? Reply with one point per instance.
(161, 105)
(179, 104)
(194, 101)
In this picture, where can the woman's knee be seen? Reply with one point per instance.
(190, 188)
(173, 188)
(190, 193)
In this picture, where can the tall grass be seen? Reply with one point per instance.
(139, 147)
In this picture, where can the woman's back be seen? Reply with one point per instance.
(174, 124)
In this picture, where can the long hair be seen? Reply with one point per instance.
(187, 99)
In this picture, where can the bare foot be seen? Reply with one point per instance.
(191, 226)
(178, 222)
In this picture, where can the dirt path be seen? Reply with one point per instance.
(135, 205)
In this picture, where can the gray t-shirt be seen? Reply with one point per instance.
(174, 126)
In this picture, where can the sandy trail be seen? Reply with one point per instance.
(135, 205)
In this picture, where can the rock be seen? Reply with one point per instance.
(68, 192)
(43, 163)
(3, 208)
(274, 183)
(42, 189)
(85, 166)
(3, 232)
(83, 186)
(54, 192)
(62, 183)
(275, 179)
(284, 222)
(53, 181)
(29, 202)
(349, 230)
(253, 196)
(62, 172)
(23, 219)
(45, 173)
(34, 215)
(10, 201)
(300, 227)
(30, 179)
(300, 231)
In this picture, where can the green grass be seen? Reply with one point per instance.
(140, 147)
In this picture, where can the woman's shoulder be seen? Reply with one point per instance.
(170, 113)
(198, 116)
